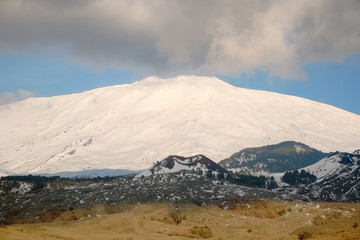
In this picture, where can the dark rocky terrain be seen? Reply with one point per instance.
(202, 182)
(179, 187)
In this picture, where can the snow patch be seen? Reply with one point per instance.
(299, 149)
(23, 188)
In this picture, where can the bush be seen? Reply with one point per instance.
(203, 232)
(178, 218)
(12, 215)
(282, 212)
(50, 214)
(304, 235)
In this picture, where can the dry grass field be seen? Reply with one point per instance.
(259, 219)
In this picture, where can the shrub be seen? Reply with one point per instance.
(271, 214)
(178, 218)
(50, 214)
(328, 218)
(304, 235)
(12, 215)
(203, 232)
(282, 212)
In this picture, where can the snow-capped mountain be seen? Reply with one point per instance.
(199, 164)
(132, 126)
(266, 160)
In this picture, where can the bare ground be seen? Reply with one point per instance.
(257, 219)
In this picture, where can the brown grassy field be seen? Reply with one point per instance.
(242, 220)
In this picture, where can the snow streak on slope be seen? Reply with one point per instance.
(132, 126)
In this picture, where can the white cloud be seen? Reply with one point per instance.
(9, 97)
(186, 36)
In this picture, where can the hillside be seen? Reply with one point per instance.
(282, 157)
(199, 164)
(337, 178)
(132, 126)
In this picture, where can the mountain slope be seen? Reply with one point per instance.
(173, 164)
(333, 164)
(338, 178)
(131, 126)
(285, 156)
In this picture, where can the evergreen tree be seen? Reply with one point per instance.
(295, 177)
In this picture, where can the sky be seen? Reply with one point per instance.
(305, 48)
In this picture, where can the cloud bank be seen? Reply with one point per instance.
(186, 36)
(9, 97)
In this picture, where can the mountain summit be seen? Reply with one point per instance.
(132, 126)
(198, 163)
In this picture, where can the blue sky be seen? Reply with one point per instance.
(308, 49)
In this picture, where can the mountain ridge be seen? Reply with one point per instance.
(270, 159)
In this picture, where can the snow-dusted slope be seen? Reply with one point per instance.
(132, 126)
(334, 165)
(270, 159)
(337, 178)
(172, 164)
